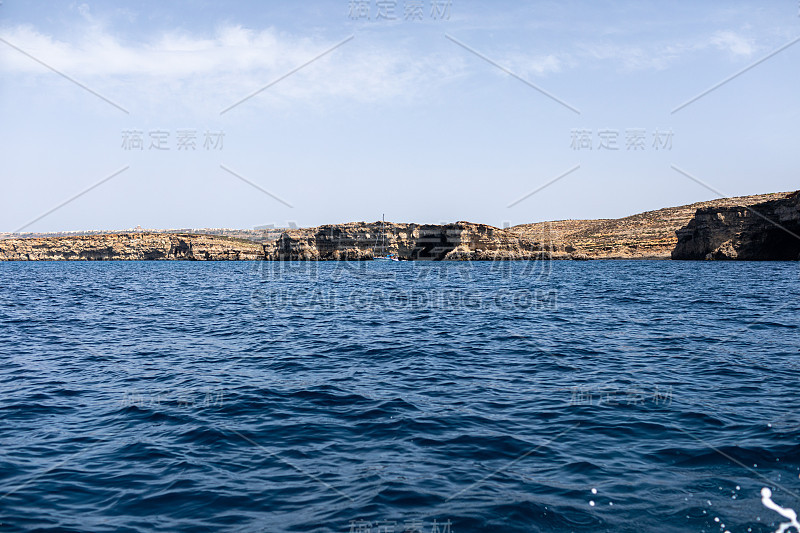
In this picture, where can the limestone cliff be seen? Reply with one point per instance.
(130, 246)
(720, 229)
(361, 240)
(767, 230)
(648, 235)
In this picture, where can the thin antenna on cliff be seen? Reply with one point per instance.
(383, 256)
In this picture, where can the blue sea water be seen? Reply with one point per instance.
(390, 397)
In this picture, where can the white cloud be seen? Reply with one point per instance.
(628, 57)
(535, 65)
(730, 41)
(219, 69)
(231, 50)
(232, 63)
(658, 55)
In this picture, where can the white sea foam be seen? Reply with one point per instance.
(766, 499)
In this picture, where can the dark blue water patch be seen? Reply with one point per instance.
(591, 396)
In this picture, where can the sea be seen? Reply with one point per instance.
(383, 397)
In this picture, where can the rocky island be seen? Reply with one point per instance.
(765, 226)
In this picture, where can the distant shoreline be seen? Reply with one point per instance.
(759, 227)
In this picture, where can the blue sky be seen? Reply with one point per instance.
(456, 113)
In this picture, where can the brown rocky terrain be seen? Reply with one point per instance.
(130, 246)
(767, 230)
(361, 240)
(648, 235)
(262, 234)
(724, 228)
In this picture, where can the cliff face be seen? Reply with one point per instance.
(129, 246)
(719, 229)
(648, 235)
(360, 240)
(761, 231)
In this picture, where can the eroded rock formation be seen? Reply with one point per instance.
(719, 229)
(361, 240)
(767, 230)
(130, 246)
(648, 235)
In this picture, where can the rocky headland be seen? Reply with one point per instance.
(763, 226)
(648, 235)
(768, 230)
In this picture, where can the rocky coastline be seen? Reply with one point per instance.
(131, 247)
(768, 230)
(763, 226)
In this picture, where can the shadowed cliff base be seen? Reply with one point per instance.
(768, 230)
(764, 226)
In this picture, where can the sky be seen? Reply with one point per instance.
(240, 114)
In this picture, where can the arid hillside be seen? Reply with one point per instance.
(651, 234)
